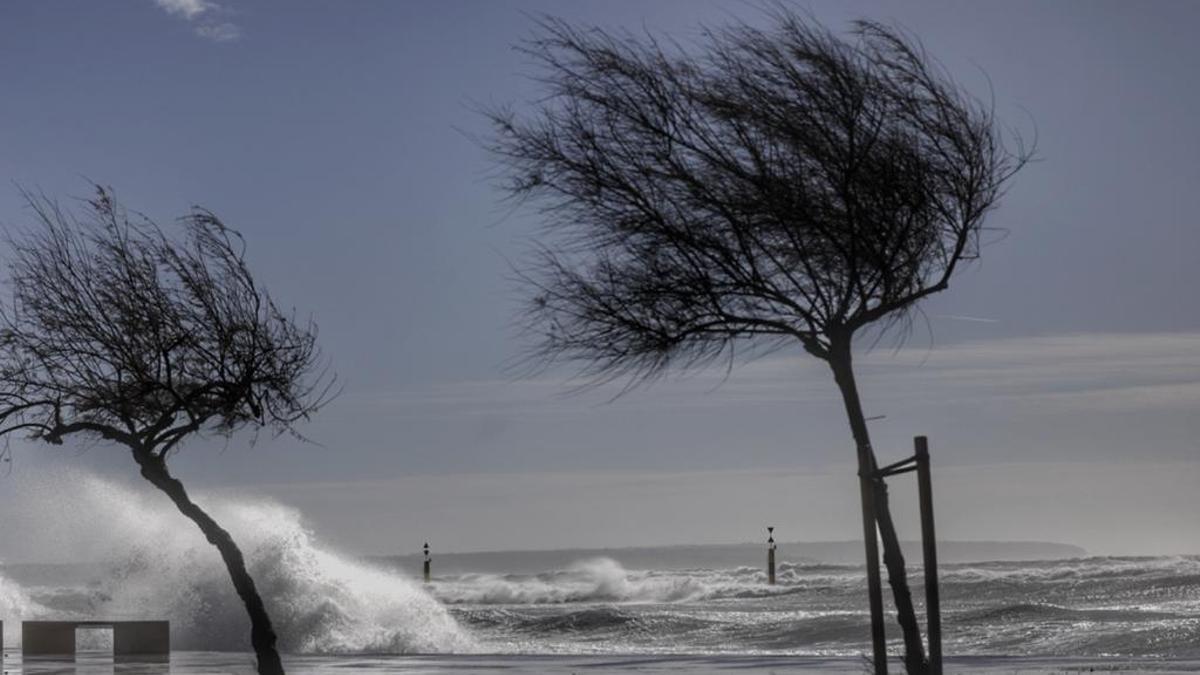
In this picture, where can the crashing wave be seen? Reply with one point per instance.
(158, 565)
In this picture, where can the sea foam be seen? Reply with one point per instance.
(154, 563)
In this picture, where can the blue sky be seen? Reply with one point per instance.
(337, 137)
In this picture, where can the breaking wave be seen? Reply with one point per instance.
(605, 580)
(158, 565)
(1084, 607)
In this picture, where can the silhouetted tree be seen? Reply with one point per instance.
(781, 184)
(117, 332)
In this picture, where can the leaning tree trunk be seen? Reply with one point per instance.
(875, 498)
(262, 635)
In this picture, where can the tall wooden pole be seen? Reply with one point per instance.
(933, 611)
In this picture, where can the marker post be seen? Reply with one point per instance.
(771, 556)
(427, 559)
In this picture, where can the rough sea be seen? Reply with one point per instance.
(511, 614)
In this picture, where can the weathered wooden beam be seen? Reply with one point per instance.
(933, 611)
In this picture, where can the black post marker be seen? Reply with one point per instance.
(771, 556)
(427, 562)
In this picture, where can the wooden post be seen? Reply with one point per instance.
(933, 612)
(427, 559)
(771, 556)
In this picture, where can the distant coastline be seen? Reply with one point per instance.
(718, 556)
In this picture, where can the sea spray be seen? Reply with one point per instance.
(156, 564)
(15, 603)
(606, 580)
(594, 580)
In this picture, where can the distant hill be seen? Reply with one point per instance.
(721, 556)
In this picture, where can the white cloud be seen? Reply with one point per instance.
(188, 9)
(960, 317)
(219, 32)
(206, 16)
(1094, 372)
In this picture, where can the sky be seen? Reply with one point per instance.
(1058, 379)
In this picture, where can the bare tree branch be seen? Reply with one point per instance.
(784, 181)
(115, 329)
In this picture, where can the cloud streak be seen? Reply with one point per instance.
(205, 17)
(1087, 372)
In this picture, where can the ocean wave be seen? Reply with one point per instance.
(596, 580)
(1031, 612)
(160, 566)
(605, 580)
(16, 601)
(1098, 568)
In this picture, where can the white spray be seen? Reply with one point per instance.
(156, 564)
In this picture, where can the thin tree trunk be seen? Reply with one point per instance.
(914, 650)
(262, 635)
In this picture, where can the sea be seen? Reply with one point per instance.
(668, 609)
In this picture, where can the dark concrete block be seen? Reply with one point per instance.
(141, 640)
(48, 639)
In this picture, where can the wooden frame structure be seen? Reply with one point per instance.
(919, 462)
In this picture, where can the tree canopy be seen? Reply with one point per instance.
(119, 331)
(782, 182)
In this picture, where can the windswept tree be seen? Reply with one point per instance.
(117, 332)
(769, 186)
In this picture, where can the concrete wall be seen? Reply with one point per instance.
(132, 640)
(48, 639)
(141, 640)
